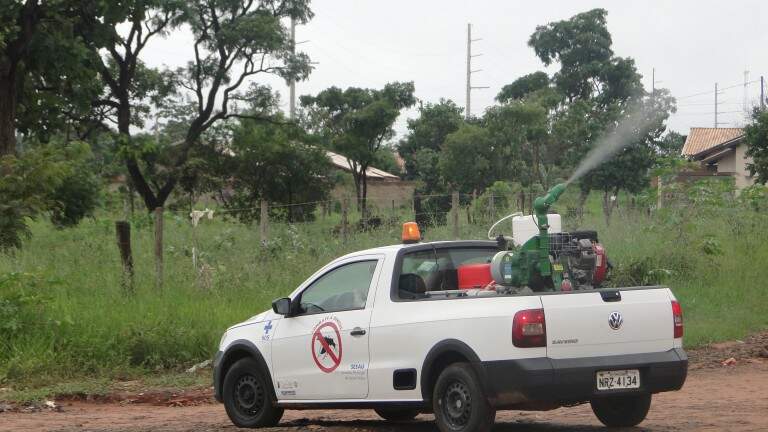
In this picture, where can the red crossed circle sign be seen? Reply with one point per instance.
(326, 346)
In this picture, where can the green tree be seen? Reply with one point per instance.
(582, 45)
(523, 87)
(45, 80)
(519, 131)
(39, 180)
(79, 193)
(387, 161)
(233, 42)
(274, 162)
(639, 132)
(466, 159)
(600, 91)
(671, 145)
(356, 122)
(756, 133)
(130, 87)
(427, 133)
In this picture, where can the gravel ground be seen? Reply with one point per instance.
(715, 397)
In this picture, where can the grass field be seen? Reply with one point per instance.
(64, 316)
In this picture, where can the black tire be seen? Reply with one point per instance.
(248, 398)
(397, 415)
(459, 403)
(622, 411)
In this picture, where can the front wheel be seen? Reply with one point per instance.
(397, 414)
(459, 402)
(622, 411)
(247, 398)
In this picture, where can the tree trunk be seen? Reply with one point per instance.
(537, 164)
(583, 196)
(8, 103)
(358, 189)
(364, 198)
(608, 205)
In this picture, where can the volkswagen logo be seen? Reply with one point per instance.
(615, 320)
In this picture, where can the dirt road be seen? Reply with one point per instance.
(715, 398)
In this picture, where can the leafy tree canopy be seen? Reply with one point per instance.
(274, 162)
(588, 66)
(356, 122)
(466, 159)
(523, 87)
(428, 132)
(757, 145)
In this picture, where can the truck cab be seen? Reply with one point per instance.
(407, 328)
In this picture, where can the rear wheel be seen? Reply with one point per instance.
(397, 414)
(459, 402)
(247, 398)
(622, 411)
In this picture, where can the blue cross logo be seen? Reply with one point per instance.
(268, 327)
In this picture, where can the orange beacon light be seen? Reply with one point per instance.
(411, 233)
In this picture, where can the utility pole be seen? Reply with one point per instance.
(762, 93)
(717, 107)
(716, 124)
(746, 101)
(291, 82)
(468, 107)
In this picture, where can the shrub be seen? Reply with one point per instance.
(75, 198)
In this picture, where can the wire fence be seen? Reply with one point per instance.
(340, 219)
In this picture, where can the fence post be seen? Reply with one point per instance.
(344, 219)
(264, 222)
(123, 231)
(470, 207)
(159, 248)
(455, 210)
(393, 219)
(660, 198)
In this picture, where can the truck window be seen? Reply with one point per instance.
(343, 288)
(437, 269)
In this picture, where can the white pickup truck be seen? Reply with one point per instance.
(390, 329)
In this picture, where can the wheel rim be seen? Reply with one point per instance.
(456, 404)
(249, 396)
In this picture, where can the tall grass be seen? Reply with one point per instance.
(66, 316)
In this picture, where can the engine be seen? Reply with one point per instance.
(562, 261)
(581, 257)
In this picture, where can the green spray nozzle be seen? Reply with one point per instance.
(542, 204)
(541, 207)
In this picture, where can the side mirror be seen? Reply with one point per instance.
(282, 306)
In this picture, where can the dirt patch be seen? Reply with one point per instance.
(753, 348)
(715, 398)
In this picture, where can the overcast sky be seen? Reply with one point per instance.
(364, 43)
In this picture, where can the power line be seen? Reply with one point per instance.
(721, 89)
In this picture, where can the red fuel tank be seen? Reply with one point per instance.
(474, 276)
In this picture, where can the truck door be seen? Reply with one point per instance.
(594, 323)
(322, 352)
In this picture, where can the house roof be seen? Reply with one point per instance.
(701, 140)
(342, 162)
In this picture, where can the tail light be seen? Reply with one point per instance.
(529, 329)
(677, 318)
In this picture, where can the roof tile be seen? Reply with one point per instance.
(701, 139)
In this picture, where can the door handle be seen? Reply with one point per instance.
(357, 331)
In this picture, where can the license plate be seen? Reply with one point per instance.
(618, 379)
